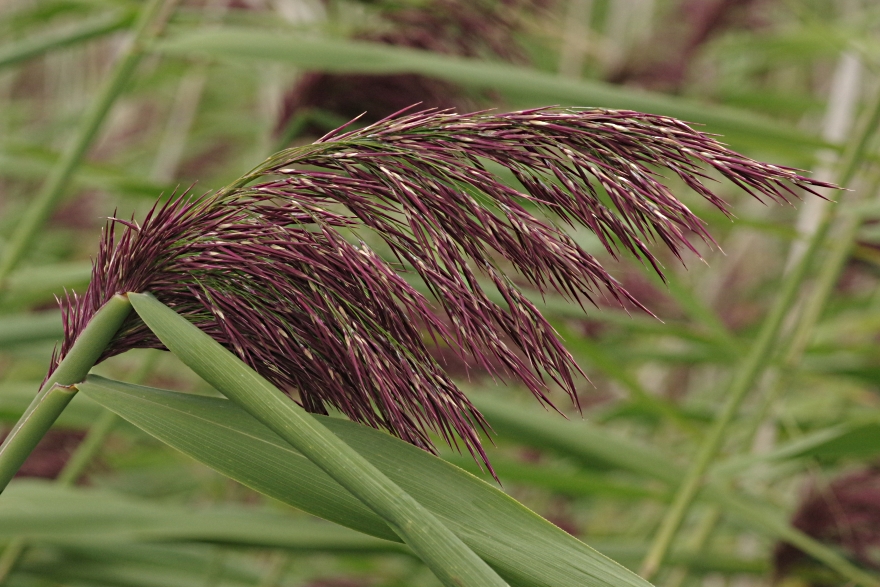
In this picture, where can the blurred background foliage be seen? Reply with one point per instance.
(212, 88)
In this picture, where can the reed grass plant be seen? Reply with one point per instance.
(348, 317)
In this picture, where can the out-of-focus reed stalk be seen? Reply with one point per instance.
(761, 352)
(150, 22)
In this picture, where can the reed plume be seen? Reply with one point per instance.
(275, 267)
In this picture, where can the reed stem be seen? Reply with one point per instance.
(57, 391)
(761, 352)
(149, 23)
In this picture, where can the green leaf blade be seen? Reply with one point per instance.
(523, 86)
(523, 547)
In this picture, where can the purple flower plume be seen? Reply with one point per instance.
(273, 267)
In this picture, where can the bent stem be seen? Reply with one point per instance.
(760, 353)
(57, 391)
(446, 555)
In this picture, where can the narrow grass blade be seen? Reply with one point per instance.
(34, 45)
(136, 565)
(523, 547)
(858, 439)
(17, 329)
(35, 164)
(48, 512)
(523, 86)
(582, 441)
(36, 285)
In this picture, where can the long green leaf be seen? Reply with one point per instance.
(30, 328)
(33, 164)
(135, 565)
(523, 547)
(586, 442)
(448, 557)
(859, 439)
(526, 87)
(48, 512)
(34, 45)
(34, 285)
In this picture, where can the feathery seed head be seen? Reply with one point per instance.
(269, 266)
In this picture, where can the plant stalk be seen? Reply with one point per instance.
(843, 96)
(149, 23)
(745, 376)
(446, 555)
(761, 353)
(57, 391)
(698, 541)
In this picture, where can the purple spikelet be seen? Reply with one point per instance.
(273, 268)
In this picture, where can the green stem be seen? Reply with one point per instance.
(31, 428)
(761, 353)
(446, 555)
(839, 246)
(828, 275)
(88, 448)
(150, 21)
(698, 542)
(57, 392)
(745, 376)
